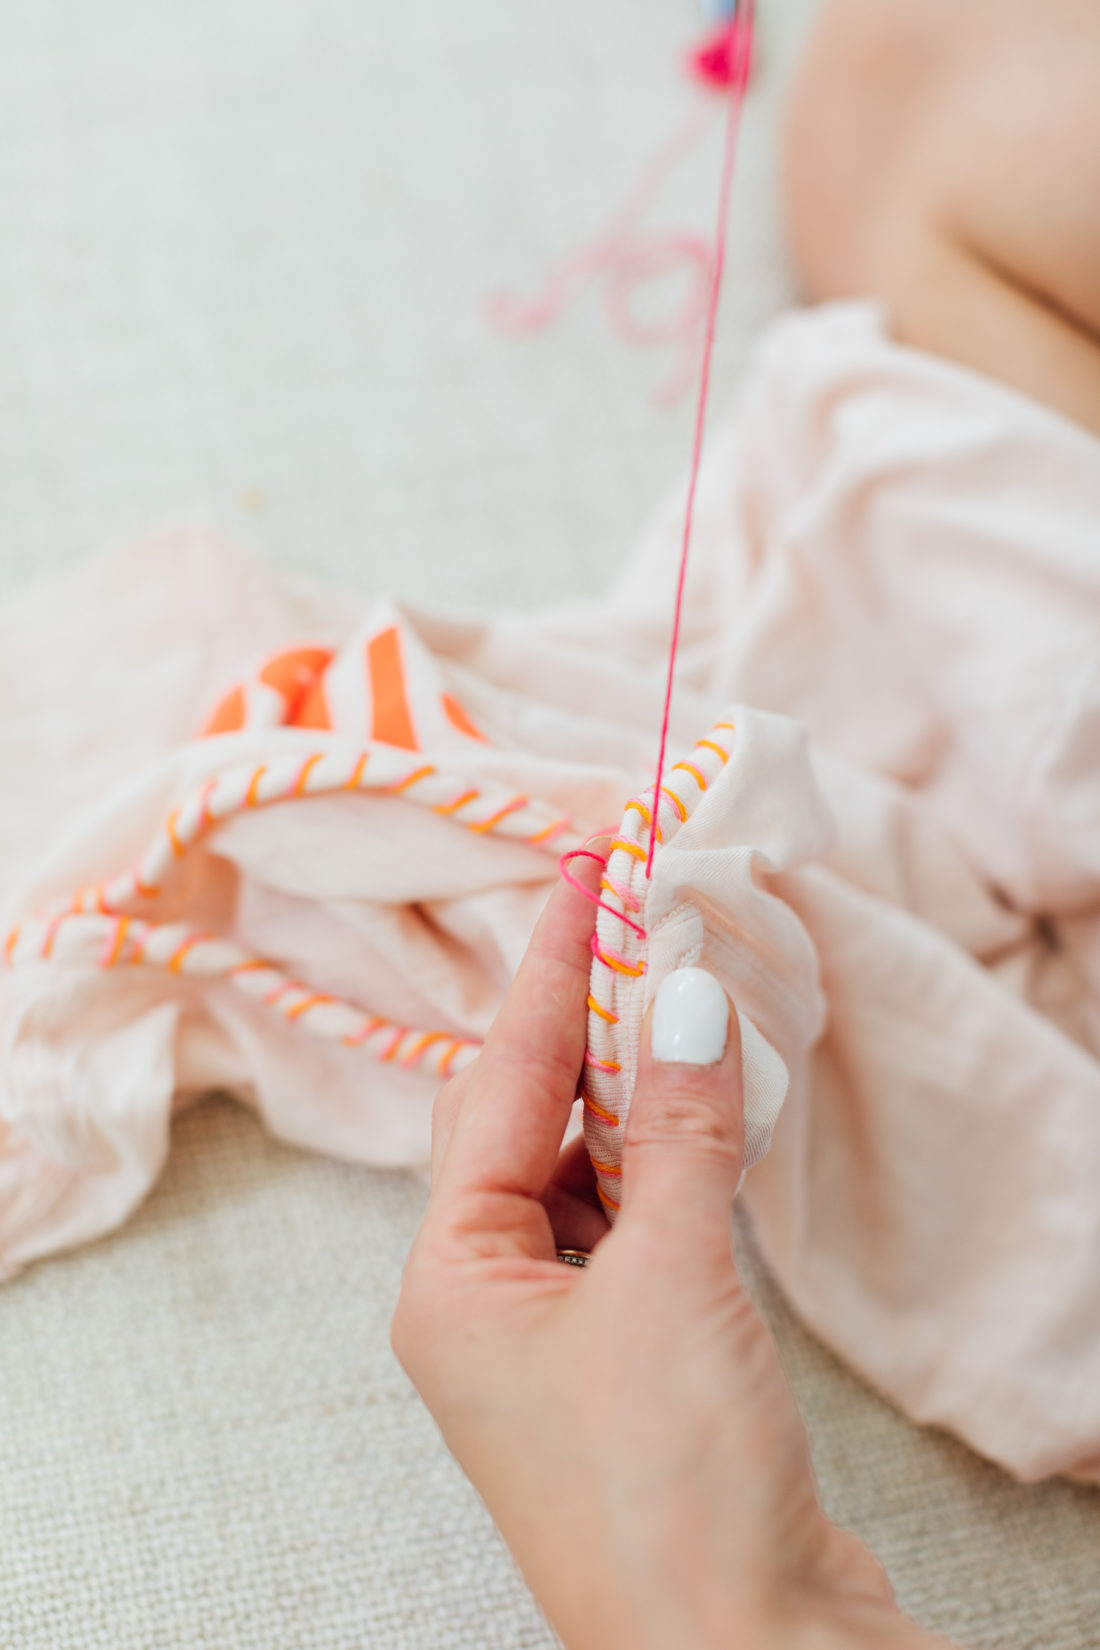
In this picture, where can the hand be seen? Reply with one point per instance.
(628, 1425)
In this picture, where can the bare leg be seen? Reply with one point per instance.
(944, 156)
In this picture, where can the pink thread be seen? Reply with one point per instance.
(713, 63)
(622, 893)
(612, 959)
(601, 1065)
(594, 898)
(741, 49)
(628, 259)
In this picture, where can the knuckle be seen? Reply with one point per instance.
(684, 1119)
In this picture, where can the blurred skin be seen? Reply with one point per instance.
(628, 1426)
(945, 158)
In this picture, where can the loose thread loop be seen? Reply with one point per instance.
(589, 894)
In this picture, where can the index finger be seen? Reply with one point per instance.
(519, 1094)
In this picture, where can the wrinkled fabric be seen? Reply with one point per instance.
(892, 553)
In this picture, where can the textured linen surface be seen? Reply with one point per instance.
(204, 1437)
(897, 551)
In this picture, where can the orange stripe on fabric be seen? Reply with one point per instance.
(391, 719)
(357, 773)
(605, 1168)
(676, 803)
(10, 944)
(253, 966)
(313, 712)
(696, 773)
(457, 717)
(732, 726)
(708, 744)
(598, 1111)
(229, 715)
(251, 799)
(293, 674)
(608, 1202)
(604, 1013)
(50, 936)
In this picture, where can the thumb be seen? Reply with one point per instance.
(684, 1143)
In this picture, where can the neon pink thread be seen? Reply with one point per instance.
(741, 43)
(594, 898)
(624, 894)
(612, 959)
(601, 1065)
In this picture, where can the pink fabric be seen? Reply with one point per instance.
(891, 553)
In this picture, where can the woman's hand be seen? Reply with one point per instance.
(628, 1425)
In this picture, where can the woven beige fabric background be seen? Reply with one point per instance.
(242, 249)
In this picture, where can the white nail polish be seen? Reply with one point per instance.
(690, 1021)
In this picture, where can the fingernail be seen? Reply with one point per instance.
(690, 1022)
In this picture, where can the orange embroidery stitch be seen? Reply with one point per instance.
(550, 831)
(601, 1065)
(177, 846)
(676, 803)
(456, 802)
(628, 847)
(483, 825)
(306, 1004)
(445, 1063)
(115, 952)
(175, 962)
(619, 964)
(410, 779)
(307, 768)
(598, 1111)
